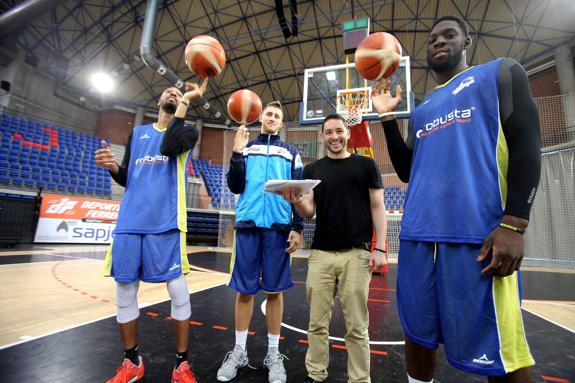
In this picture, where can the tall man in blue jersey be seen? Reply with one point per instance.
(150, 237)
(265, 223)
(472, 160)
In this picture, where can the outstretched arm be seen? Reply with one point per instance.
(180, 138)
(399, 152)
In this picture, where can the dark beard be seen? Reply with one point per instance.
(169, 107)
(447, 65)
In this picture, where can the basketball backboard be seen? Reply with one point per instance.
(322, 85)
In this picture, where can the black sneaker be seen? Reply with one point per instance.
(310, 380)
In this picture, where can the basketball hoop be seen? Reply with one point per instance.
(351, 104)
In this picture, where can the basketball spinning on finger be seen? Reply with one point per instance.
(244, 106)
(377, 56)
(205, 56)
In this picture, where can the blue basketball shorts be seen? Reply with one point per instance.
(260, 261)
(443, 298)
(147, 257)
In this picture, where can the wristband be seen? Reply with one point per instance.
(512, 228)
(380, 250)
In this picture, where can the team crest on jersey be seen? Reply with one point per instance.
(467, 82)
(144, 136)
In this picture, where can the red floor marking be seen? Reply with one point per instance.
(152, 314)
(377, 300)
(251, 333)
(61, 281)
(302, 341)
(339, 346)
(168, 318)
(196, 323)
(376, 352)
(553, 379)
(220, 328)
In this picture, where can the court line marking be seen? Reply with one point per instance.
(99, 319)
(299, 330)
(553, 303)
(548, 320)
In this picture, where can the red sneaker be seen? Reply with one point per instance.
(128, 372)
(183, 374)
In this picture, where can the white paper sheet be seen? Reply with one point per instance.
(279, 185)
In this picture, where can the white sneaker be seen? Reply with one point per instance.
(235, 359)
(274, 362)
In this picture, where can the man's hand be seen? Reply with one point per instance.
(194, 90)
(241, 139)
(507, 249)
(292, 195)
(377, 260)
(381, 98)
(294, 239)
(105, 158)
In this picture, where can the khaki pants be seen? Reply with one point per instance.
(347, 273)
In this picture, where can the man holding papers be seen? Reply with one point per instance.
(348, 204)
(265, 225)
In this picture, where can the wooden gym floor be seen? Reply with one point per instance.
(57, 322)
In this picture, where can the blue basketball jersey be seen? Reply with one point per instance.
(154, 200)
(457, 187)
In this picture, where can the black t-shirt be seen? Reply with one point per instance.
(342, 204)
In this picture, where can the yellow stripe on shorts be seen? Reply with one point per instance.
(184, 254)
(108, 261)
(514, 349)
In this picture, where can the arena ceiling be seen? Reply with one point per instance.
(85, 36)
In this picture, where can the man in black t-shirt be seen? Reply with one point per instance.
(348, 204)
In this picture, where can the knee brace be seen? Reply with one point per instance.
(127, 301)
(180, 295)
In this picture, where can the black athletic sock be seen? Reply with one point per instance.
(181, 357)
(133, 355)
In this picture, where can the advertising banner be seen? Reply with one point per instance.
(72, 219)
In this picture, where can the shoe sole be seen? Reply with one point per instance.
(221, 379)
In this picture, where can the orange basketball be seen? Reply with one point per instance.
(244, 106)
(205, 56)
(377, 56)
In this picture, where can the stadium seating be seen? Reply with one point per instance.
(37, 155)
(214, 176)
(394, 197)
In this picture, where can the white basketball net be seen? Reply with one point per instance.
(351, 105)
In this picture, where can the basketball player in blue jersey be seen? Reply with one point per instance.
(150, 238)
(267, 229)
(472, 160)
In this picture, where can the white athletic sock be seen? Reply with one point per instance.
(411, 380)
(273, 340)
(241, 338)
